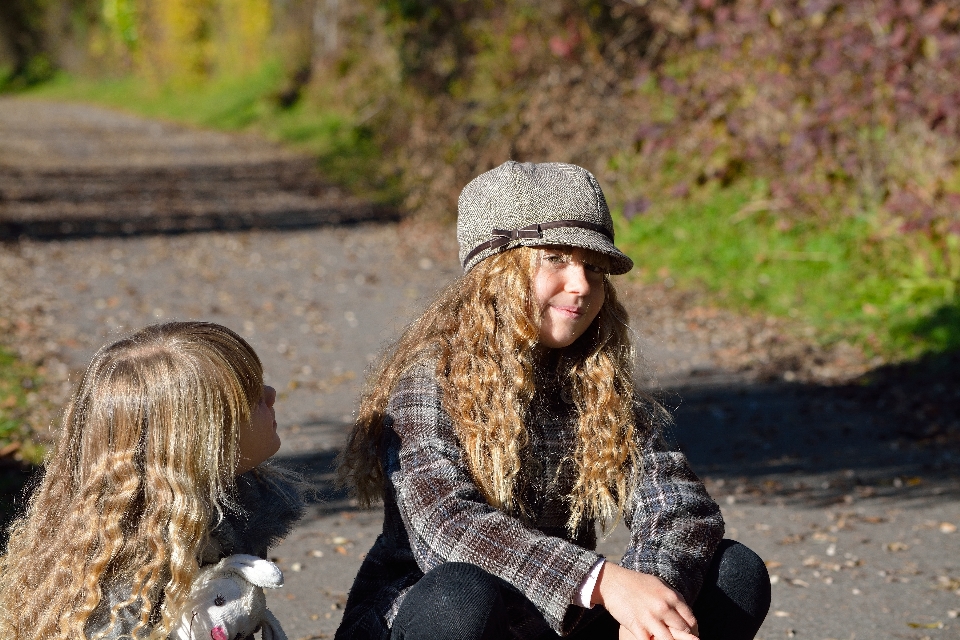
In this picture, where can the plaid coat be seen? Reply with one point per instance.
(434, 513)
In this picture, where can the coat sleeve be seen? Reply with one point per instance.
(448, 520)
(675, 525)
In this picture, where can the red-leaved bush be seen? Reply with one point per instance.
(839, 107)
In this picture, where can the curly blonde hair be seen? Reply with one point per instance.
(482, 334)
(143, 466)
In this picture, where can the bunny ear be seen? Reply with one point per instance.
(271, 627)
(256, 571)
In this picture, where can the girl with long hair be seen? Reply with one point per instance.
(504, 426)
(159, 468)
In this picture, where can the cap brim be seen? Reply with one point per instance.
(584, 239)
(565, 237)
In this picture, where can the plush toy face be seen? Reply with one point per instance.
(222, 612)
(226, 601)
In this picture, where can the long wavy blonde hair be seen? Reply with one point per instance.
(482, 333)
(143, 467)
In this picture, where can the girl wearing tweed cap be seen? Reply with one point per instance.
(504, 427)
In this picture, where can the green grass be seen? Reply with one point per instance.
(17, 381)
(847, 279)
(345, 150)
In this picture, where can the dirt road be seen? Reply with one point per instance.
(856, 522)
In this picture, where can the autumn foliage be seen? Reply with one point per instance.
(841, 107)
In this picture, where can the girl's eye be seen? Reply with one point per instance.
(593, 268)
(555, 258)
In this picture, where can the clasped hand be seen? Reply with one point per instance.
(644, 605)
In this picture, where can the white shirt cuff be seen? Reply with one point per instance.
(585, 593)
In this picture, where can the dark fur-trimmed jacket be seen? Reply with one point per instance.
(269, 507)
(434, 513)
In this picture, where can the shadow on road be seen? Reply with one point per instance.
(47, 203)
(319, 469)
(895, 432)
(170, 224)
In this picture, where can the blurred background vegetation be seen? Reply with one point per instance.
(797, 158)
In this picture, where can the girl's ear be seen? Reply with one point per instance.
(256, 571)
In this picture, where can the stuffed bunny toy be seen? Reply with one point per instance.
(226, 601)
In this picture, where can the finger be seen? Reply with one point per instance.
(675, 620)
(686, 613)
(678, 603)
(659, 630)
(626, 634)
(683, 635)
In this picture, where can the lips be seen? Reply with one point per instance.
(569, 311)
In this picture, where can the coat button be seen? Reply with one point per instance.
(388, 421)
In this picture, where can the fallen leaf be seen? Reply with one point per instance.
(773, 564)
(948, 527)
(315, 553)
(339, 540)
(947, 583)
(893, 547)
(781, 614)
(928, 625)
(797, 582)
(341, 550)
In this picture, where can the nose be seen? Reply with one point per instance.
(576, 279)
(269, 395)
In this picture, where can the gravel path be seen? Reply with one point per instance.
(857, 522)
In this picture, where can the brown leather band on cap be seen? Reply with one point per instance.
(503, 237)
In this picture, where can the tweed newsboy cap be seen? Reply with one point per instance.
(533, 205)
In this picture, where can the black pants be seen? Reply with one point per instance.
(459, 601)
